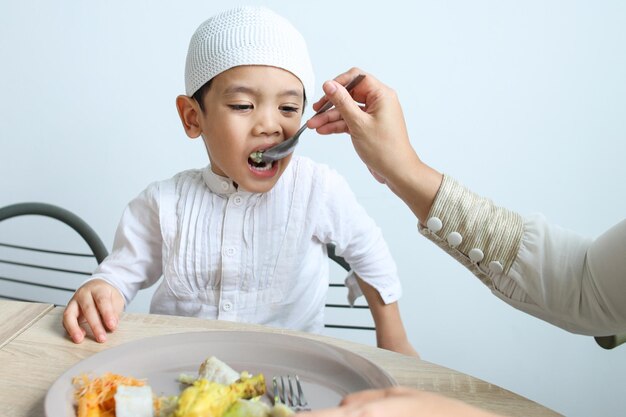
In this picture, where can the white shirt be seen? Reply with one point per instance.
(233, 255)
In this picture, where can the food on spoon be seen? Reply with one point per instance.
(257, 156)
(133, 401)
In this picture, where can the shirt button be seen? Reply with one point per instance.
(225, 185)
(434, 224)
(227, 306)
(237, 200)
(495, 267)
(454, 239)
(476, 255)
(229, 251)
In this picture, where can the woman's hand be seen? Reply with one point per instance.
(371, 113)
(399, 402)
(377, 125)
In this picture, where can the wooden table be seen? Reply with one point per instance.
(17, 316)
(39, 352)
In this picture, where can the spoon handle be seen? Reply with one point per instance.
(286, 147)
(355, 81)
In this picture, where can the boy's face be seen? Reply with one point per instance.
(247, 109)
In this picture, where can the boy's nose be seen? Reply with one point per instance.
(267, 125)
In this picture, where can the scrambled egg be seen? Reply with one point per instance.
(209, 399)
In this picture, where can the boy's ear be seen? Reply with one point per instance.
(188, 110)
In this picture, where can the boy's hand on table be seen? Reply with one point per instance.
(96, 303)
(399, 402)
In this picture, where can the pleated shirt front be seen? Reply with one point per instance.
(225, 253)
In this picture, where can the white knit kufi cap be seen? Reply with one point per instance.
(246, 36)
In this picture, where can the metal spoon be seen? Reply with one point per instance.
(287, 146)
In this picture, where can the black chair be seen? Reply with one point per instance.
(340, 314)
(31, 273)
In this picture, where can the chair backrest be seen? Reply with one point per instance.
(345, 321)
(30, 272)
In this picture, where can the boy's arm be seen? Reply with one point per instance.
(135, 261)
(345, 223)
(390, 333)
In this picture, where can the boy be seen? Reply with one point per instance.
(238, 240)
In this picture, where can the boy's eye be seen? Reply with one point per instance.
(289, 109)
(240, 107)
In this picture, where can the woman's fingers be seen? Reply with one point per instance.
(342, 79)
(376, 394)
(320, 121)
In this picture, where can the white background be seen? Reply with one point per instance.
(523, 101)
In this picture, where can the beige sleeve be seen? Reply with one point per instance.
(482, 236)
(569, 280)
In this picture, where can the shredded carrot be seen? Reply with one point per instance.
(95, 397)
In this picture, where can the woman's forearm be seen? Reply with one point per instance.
(417, 186)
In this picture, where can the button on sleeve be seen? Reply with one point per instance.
(495, 267)
(434, 224)
(454, 239)
(463, 221)
(476, 255)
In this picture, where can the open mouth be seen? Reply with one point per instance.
(258, 166)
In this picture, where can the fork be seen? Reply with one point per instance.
(287, 146)
(287, 395)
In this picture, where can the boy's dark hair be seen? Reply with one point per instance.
(201, 92)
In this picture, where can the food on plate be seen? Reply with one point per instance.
(207, 398)
(243, 408)
(95, 397)
(214, 370)
(217, 391)
(134, 401)
(281, 410)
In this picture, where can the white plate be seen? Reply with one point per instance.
(327, 372)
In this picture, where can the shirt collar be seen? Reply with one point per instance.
(218, 184)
